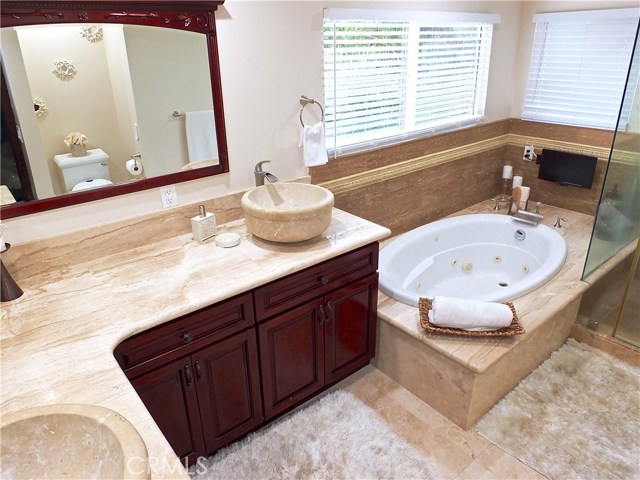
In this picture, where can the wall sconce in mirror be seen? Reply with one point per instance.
(40, 107)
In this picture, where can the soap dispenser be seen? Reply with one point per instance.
(203, 225)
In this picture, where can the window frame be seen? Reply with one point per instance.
(424, 19)
(542, 87)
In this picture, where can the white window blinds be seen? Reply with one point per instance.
(579, 66)
(389, 78)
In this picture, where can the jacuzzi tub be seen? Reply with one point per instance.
(471, 256)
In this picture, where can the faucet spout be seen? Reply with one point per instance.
(260, 174)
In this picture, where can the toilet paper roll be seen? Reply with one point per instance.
(134, 167)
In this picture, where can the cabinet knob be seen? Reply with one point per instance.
(322, 316)
(187, 337)
(323, 279)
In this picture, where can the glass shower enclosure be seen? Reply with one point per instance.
(615, 241)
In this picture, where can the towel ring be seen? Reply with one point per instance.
(304, 101)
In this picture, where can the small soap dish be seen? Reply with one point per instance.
(227, 240)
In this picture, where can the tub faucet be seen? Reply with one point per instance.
(261, 174)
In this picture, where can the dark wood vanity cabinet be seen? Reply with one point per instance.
(312, 346)
(207, 377)
(199, 376)
(316, 327)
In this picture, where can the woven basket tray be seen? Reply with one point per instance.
(424, 305)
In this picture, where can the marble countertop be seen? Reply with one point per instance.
(479, 354)
(57, 340)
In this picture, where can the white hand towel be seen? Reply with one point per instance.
(469, 314)
(314, 145)
(201, 135)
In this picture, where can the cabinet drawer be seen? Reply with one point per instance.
(300, 287)
(188, 333)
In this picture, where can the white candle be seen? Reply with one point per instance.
(517, 181)
(507, 170)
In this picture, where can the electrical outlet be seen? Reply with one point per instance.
(528, 153)
(169, 196)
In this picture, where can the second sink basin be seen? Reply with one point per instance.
(71, 441)
(287, 212)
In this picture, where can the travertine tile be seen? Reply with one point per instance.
(58, 338)
(463, 377)
(351, 164)
(504, 466)
(456, 453)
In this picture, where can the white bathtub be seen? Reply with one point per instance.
(470, 256)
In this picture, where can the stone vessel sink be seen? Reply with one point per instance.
(71, 441)
(287, 212)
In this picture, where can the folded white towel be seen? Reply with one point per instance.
(469, 314)
(201, 135)
(314, 145)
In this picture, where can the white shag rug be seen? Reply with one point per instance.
(337, 437)
(577, 416)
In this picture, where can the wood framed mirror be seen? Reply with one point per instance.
(169, 50)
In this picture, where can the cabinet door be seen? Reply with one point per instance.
(169, 393)
(228, 384)
(291, 357)
(350, 328)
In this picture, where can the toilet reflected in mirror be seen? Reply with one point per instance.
(84, 173)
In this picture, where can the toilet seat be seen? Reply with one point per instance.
(89, 184)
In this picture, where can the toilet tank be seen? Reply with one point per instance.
(80, 169)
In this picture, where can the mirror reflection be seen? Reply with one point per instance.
(105, 104)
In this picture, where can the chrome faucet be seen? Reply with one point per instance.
(261, 174)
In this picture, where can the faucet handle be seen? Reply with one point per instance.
(538, 207)
(559, 221)
(258, 167)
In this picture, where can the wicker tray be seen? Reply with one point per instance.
(424, 305)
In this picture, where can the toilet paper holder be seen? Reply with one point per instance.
(134, 164)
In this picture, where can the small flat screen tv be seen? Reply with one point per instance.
(567, 168)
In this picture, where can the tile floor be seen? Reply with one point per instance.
(456, 453)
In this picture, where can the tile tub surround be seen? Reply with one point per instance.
(57, 340)
(464, 377)
(439, 175)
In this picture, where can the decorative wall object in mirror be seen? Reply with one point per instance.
(120, 97)
(40, 107)
(64, 69)
(93, 33)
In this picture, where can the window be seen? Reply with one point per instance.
(388, 78)
(579, 66)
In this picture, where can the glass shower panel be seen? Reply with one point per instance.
(618, 217)
(628, 326)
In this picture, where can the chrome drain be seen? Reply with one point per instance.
(503, 284)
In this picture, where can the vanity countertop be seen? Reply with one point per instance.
(57, 340)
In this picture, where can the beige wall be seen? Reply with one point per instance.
(270, 54)
(23, 102)
(83, 103)
(169, 71)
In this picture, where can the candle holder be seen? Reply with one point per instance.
(505, 196)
